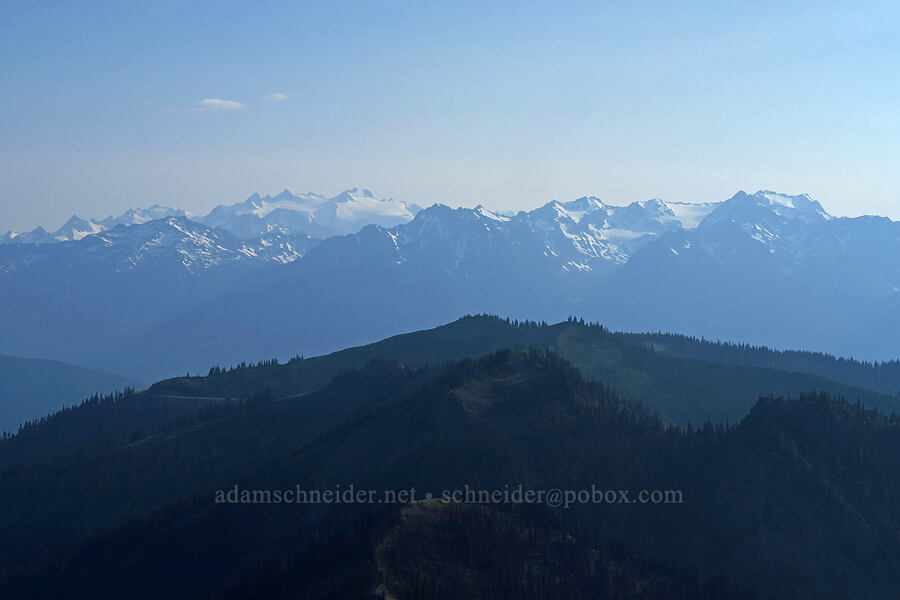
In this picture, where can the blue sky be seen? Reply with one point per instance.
(509, 105)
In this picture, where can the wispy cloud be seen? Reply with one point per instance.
(276, 97)
(217, 104)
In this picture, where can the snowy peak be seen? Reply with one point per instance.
(38, 235)
(314, 214)
(802, 205)
(586, 208)
(489, 214)
(587, 234)
(290, 214)
(769, 207)
(76, 228)
(580, 236)
(174, 242)
(798, 202)
(354, 193)
(649, 216)
(356, 206)
(760, 228)
(579, 208)
(138, 216)
(262, 206)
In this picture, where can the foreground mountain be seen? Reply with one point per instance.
(435, 550)
(796, 501)
(680, 390)
(32, 388)
(720, 387)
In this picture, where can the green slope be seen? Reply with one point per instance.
(680, 390)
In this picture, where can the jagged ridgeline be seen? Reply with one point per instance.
(155, 293)
(795, 499)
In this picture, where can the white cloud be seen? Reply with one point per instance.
(217, 104)
(276, 97)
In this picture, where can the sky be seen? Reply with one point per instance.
(110, 105)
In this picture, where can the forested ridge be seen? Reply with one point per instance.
(882, 376)
(798, 499)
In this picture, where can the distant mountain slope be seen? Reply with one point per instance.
(77, 228)
(879, 376)
(765, 269)
(76, 300)
(32, 388)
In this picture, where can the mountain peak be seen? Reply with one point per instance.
(489, 214)
(354, 192)
(309, 213)
(653, 203)
(744, 207)
(584, 204)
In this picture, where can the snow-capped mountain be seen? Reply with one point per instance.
(763, 267)
(138, 216)
(38, 235)
(765, 226)
(77, 298)
(73, 229)
(587, 232)
(77, 228)
(769, 269)
(310, 213)
(171, 242)
(580, 236)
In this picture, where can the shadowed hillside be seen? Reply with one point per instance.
(797, 500)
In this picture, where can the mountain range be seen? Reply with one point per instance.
(312, 214)
(297, 275)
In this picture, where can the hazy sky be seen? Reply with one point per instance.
(104, 106)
